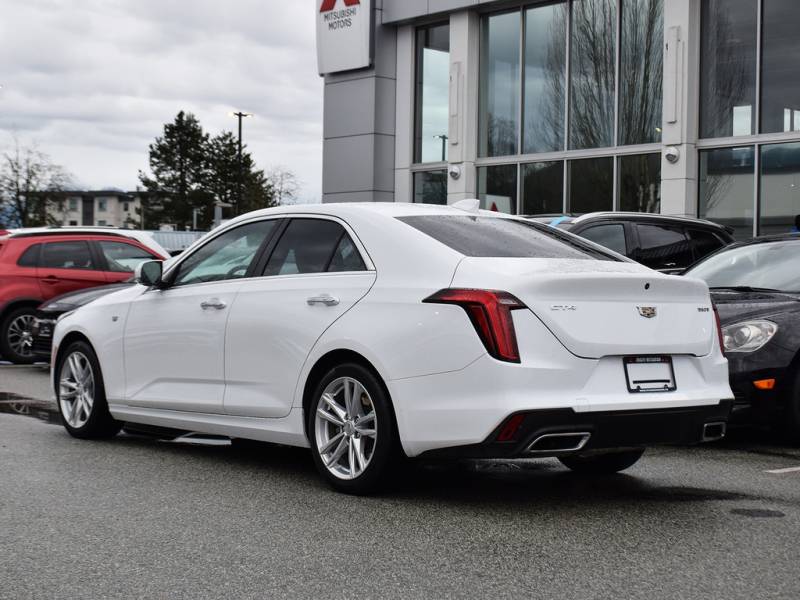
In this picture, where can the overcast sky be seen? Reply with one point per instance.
(92, 82)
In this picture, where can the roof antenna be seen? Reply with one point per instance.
(471, 205)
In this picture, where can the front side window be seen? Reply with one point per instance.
(433, 86)
(611, 235)
(493, 237)
(663, 247)
(123, 258)
(313, 246)
(67, 255)
(228, 256)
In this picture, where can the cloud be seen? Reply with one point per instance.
(93, 82)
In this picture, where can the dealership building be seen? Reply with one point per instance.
(688, 107)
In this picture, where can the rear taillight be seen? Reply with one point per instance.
(719, 331)
(490, 313)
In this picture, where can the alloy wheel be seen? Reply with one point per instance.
(19, 336)
(76, 389)
(345, 428)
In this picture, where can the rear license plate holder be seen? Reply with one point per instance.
(648, 374)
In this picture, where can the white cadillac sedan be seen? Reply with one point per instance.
(372, 332)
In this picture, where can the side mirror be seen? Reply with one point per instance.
(149, 273)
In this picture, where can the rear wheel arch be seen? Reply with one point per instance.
(19, 303)
(327, 362)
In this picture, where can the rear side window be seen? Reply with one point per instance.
(490, 237)
(703, 243)
(611, 235)
(67, 255)
(30, 258)
(663, 247)
(313, 246)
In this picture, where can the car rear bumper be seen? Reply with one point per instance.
(564, 431)
(464, 407)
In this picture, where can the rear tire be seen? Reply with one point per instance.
(81, 394)
(612, 462)
(16, 342)
(351, 429)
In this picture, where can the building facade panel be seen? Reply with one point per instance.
(685, 107)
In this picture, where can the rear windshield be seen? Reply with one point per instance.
(491, 237)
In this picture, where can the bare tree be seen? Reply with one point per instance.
(285, 184)
(28, 180)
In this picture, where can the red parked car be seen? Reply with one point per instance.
(39, 264)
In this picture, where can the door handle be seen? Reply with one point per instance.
(325, 299)
(214, 303)
(52, 279)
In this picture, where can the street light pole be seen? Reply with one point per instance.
(240, 115)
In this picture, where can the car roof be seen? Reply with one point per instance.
(780, 237)
(628, 216)
(142, 237)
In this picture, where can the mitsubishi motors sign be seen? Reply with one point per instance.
(344, 30)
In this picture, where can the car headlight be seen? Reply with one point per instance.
(748, 336)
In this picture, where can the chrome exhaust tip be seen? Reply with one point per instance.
(551, 443)
(714, 431)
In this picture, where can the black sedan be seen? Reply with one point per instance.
(47, 314)
(755, 286)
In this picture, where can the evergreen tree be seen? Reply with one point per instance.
(191, 170)
(180, 175)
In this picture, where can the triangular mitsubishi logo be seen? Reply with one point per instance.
(329, 5)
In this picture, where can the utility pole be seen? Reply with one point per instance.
(240, 115)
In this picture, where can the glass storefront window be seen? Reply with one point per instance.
(545, 78)
(500, 85)
(780, 189)
(543, 188)
(641, 72)
(592, 73)
(497, 188)
(591, 185)
(727, 178)
(640, 183)
(728, 67)
(780, 84)
(430, 187)
(433, 81)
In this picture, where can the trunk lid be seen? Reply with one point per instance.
(598, 308)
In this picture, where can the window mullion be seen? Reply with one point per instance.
(521, 95)
(757, 119)
(617, 50)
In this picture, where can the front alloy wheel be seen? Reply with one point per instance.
(346, 428)
(76, 390)
(351, 429)
(81, 394)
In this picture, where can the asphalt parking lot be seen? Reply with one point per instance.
(138, 517)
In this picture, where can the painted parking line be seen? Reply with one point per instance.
(782, 471)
